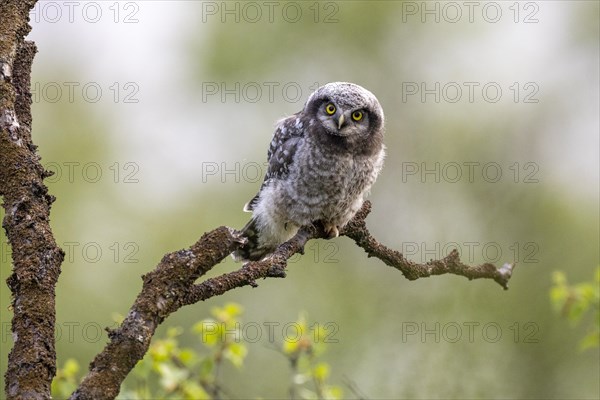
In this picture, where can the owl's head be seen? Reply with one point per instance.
(346, 110)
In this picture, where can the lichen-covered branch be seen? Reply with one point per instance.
(162, 293)
(36, 257)
(451, 264)
(172, 284)
(168, 287)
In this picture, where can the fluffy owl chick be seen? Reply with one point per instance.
(322, 162)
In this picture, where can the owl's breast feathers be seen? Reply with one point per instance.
(312, 175)
(330, 184)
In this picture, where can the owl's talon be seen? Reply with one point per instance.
(331, 231)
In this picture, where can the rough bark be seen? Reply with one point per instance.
(35, 256)
(171, 285)
(451, 264)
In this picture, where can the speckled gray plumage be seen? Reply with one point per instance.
(317, 170)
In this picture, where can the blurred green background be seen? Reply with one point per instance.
(156, 117)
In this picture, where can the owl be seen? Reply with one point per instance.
(322, 162)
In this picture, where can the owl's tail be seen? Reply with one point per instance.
(252, 250)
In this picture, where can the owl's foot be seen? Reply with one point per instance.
(331, 231)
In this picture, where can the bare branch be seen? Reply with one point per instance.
(271, 267)
(171, 285)
(168, 287)
(35, 255)
(162, 293)
(451, 264)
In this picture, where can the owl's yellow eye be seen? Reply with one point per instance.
(330, 109)
(357, 115)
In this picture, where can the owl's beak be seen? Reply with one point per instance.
(340, 121)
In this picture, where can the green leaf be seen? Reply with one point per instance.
(193, 391)
(576, 310)
(559, 278)
(558, 295)
(71, 368)
(290, 347)
(228, 313)
(210, 331)
(171, 376)
(235, 353)
(574, 301)
(333, 392)
(233, 309)
(162, 350)
(199, 326)
(188, 357)
(321, 371)
(62, 388)
(66, 379)
(174, 331)
(207, 366)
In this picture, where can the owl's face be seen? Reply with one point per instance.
(346, 110)
(343, 121)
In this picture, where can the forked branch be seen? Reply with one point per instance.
(172, 284)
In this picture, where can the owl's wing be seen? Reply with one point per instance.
(280, 156)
